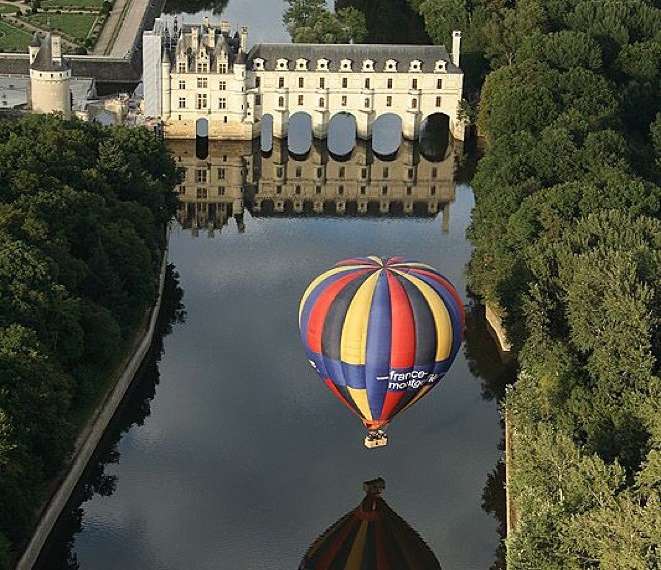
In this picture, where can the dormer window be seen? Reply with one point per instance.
(282, 64)
(441, 66)
(391, 65)
(345, 65)
(368, 65)
(322, 64)
(302, 64)
(258, 64)
(415, 65)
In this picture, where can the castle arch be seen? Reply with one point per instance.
(386, 135)
(435, 137)
(341, 137)
(299, 136)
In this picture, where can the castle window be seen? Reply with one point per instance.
(202, 67)
(414, 103)
(225, 119)
(298, 189)
(317, 189)
(182, 103)
(434, 172)
(278, 189)
(367, 83)
(367, 102)
(322, 65)
(322, 82)
(410, 173)
(384, 191)
(221, 190)
(182, 84)
(279, 172)
(385, 172)
(222, 68)
(301, 83)
(258, 64)
(368, 65)
(414, 83)
(363, 190)
(281, 101)
(441, 66)
(221, 173)
(300, 99)
(345, 65)
(201, 193)
(201, 82)
(388, 101)
(391, 65)
(281, 82)
(341, 172)
(432, 190)
(282, 64)
(340, 190)
(258, 81)
(345, 82)
(320, 172)
(439, 83)
(344, 100)
(258, 100)
(363, 172)
(201, 100)
(301, 64)
(182, 67)
(438, 101)
(322, 102)
(222, 85)
(222, 103)
(299, 172)
(409, 191)
(415, 65)
(390, 83)
(201, 176)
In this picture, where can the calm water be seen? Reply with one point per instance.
(230, 453)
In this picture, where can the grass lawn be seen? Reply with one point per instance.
(75, 25)
(7, 9)
(49, 4)
(13, 39)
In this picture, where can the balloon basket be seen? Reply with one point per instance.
(374, 440)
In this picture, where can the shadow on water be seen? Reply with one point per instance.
(58, 552)
(370, 537)
(193, 6)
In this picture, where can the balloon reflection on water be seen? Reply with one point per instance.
(370, 537)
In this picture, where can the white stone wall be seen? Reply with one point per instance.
(50, 93)
(151, 73)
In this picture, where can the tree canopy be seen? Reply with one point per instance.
(82, 216)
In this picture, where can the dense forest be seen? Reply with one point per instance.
(567, 235)
(83, 210)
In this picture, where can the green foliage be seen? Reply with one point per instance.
(309, 21)
(4, 552)
(567, 239)
(82, 213)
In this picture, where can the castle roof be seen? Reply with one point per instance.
(335, 53)
(44, 60)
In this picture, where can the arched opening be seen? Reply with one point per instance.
(266, 135)
(341, 136)
(387, 136)
(434, 137)
(201, 138)
(299, 137)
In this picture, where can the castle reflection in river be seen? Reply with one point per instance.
(235, 176)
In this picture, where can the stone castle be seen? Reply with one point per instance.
(203, 73)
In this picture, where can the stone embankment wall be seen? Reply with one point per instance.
(91, 435)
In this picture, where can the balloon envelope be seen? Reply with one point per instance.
(381, 333)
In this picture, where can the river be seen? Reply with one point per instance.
(229, 453)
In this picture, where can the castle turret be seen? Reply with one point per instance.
(50, 77)
(244, 39)
(166, 64)
(35, 44)
(194, 38)
(456, 47)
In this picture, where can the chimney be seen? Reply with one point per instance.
(56, 48)
(225, 27)
(244, 38)
(194, 38)
(205, 21)
(456, 47)
(211, 37)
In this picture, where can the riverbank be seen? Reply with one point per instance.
(94, 429)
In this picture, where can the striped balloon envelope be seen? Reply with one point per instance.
(381, 333)
(371, 537)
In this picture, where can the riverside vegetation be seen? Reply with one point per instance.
(567, 249)
(82, 215)
(567, 235)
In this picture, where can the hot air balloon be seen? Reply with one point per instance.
(371, 537)
(381, 333)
